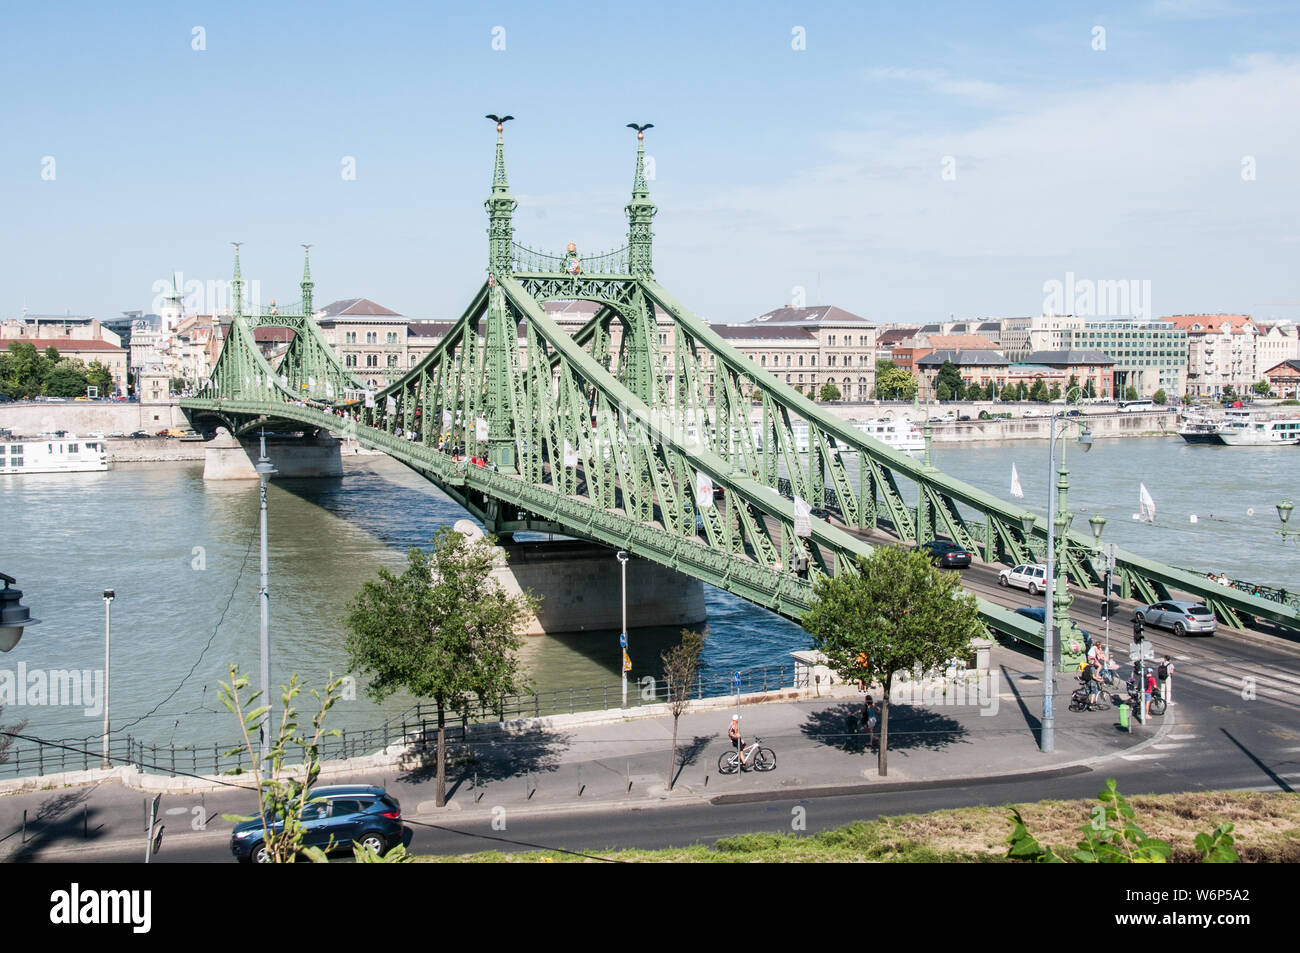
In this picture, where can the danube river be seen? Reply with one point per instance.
(182, 556)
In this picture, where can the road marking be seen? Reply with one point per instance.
(1168, 747)
(1187, 737)
(1290, 750)
(1142, 757)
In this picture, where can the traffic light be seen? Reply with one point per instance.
(1137, 630)
(1105, 608)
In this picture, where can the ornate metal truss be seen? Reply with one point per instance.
(596, 435)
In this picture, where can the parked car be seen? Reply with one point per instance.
(334, 818)
(1031, 576)
(945, 554)
(1181, 617)
(140, 435)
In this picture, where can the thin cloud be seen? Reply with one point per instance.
(940, 82)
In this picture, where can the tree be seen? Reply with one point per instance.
(1089, 390)
(1022, 392)
(1038, 392)
(66, 379)
(23, 370)
(1131, 393)
(1071, 384)
(1262, 388)
(896, 612)
(974, 391)
(6, 737)
(1160, 398)
(1054, 393)
(830, 391)
(681, 663)
(98, 375)
(894, 383)
(950, 376)
(441, 630)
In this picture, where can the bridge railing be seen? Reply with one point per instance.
(417, 728)
(527, 259)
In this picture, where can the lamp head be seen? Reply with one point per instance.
(1098, 523)
(1284, 511)
(1027, 522)
(1085, 439)
(622, 556)
(14, 616)
(109, 595)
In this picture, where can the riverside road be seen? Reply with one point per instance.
(1234, 724)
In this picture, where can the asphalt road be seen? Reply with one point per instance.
(1235, 725)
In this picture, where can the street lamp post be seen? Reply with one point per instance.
(264, 472)
(622, 638)
(1056, 612)
(109, 595)
(14, 616)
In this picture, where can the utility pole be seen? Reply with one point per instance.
(264, 472)
(622, 639)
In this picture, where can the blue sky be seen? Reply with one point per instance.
(776, 169)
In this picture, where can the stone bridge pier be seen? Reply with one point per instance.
(580, 586)
(228, 458)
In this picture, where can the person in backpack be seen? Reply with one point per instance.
(1089, 679)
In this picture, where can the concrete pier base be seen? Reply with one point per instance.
(579, 585)
(225, 458)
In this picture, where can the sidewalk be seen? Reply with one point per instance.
(602, 761)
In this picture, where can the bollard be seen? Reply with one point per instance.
(24, 838)
(1124, 718)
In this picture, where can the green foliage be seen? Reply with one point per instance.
(66, 379)
(896, 612)
(1130, 393)
(1072, 383)
(396, 855)
(949, 381)
(894, 383)
(1262, 388)
(23, 370)
(441, 630)
(282, 796)
(681, 663)
(1089, 390)
(1112, 837)
(1216, 846)
(1228, 392)
(1038, 392)
(98, 375)
(1054, 393)
(830, 392)
(1160, 398)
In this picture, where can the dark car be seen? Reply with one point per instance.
(1037, 613)
(140, 435)
(947, 555)
(334, 818)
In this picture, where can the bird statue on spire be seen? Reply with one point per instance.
(499, 120)
(640, 130)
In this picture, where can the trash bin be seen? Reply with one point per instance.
(1123, 717)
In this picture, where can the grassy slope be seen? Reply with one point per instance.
(1267, 829)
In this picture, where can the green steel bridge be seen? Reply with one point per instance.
(747, 484)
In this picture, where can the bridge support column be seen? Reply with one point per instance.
(579, 586)
(225, 458)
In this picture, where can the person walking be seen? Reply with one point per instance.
(870, 718)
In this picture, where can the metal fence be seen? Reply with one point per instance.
(416, 728)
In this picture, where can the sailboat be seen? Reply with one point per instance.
(1146, 506)
(1016, 490)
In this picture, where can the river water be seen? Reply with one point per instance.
(182, 556)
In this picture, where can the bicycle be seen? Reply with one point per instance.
(1079, 700)
(1158, 703)
(761, 759)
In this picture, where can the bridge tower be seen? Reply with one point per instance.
(640, 328)
(502, 334)
(307, 283)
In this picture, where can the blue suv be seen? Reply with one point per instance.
(334, 818)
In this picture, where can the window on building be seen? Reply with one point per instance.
(372, 360)
(372, 337)
(831, 341)
(350, 337)
(812, 360)
(392, 360)
(801, 360)
(762, 361)
(349, 360)
(391, 337)
(789, 359)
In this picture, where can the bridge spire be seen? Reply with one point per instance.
(499, 206)
(307, 283)
(237, 286)
(639, 212)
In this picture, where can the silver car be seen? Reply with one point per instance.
(1032, 576)
(1182, 617)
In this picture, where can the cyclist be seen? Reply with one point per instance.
(1089, 679)
(733, 733)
